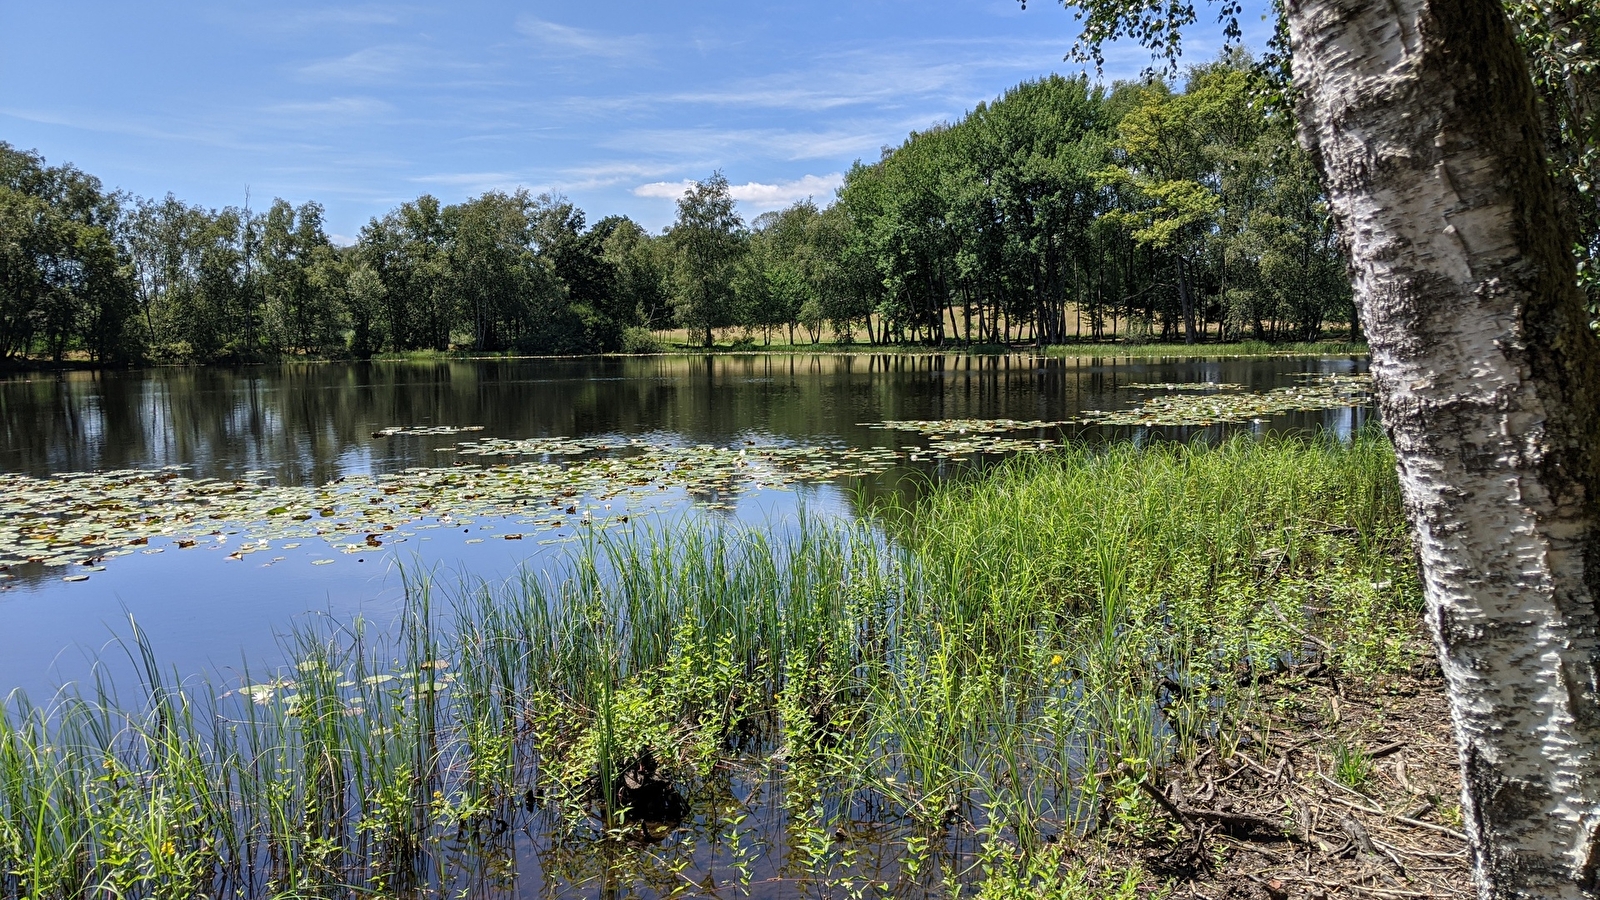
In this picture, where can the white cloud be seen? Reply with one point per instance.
(773, 196)
(667, 190)
(580, 41)
(759, 197)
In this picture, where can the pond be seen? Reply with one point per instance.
(206, 604)
(266, 527)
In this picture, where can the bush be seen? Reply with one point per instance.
(641, 340)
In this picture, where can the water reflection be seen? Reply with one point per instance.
(312, 423)
(309, 424)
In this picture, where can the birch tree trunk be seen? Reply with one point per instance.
(1421, 114)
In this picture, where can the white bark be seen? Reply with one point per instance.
(1421, 115)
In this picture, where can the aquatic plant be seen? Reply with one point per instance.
(931, 697)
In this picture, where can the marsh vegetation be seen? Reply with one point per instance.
(952, 692)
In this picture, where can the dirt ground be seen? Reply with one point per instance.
(1279, 819)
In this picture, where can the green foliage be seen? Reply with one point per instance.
(988, 653)
(1052, 874)
(62, 284)
(1351, 765)
(707, 242)
(637, 339)
(301, 280)
(1058, 211)
(1561, 41)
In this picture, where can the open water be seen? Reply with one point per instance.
(213, 592)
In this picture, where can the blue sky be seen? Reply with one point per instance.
(615, 104)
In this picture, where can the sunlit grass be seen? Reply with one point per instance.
(1012, 652)
(1207, 351)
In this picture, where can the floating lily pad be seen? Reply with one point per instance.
(424, 430)
(1315, 392)
(1184, 386)
(948, 427)
(544, 484)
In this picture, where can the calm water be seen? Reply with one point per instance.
(311, 424)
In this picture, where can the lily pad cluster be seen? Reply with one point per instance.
(954, 447)
(543, 484)
(1314, 392)
(945, 428)
(85, 517)
(546, 446)
(1184, 386)
(424, 430)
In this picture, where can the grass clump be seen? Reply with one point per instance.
(1006, 659)
(1352, 765)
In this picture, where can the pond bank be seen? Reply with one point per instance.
(1245, 349)
(978, 688)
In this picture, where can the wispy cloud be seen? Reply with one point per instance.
(576, 178)
(565, 39)
(877, 74)
(368, 64)
(758, 196)
(334, 106)
(171, 130)
(603, 175)
(714, 146)
(339, 15)
(480, 182)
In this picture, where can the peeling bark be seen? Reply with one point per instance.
(1421, 115)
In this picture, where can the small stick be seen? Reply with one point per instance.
(1356, 806)
(1418, 823)
(1332, 783)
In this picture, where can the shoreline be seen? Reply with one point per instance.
(1240, 350)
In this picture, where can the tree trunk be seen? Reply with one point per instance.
(1421, 115)
(1186, 298)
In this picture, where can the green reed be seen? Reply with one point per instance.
(1014, 650)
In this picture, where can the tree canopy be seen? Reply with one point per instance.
(1061, 210)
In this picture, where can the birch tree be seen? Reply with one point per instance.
(707, 240)
(1421, 115)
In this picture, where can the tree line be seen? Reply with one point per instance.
(121, 278)
(1062, 210)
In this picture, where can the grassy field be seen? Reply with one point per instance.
(681, 342)
(988, 680)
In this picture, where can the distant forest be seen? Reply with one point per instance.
(1060, 211)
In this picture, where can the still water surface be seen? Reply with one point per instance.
(311, 424)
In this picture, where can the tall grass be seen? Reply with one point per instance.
(1009, 653)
